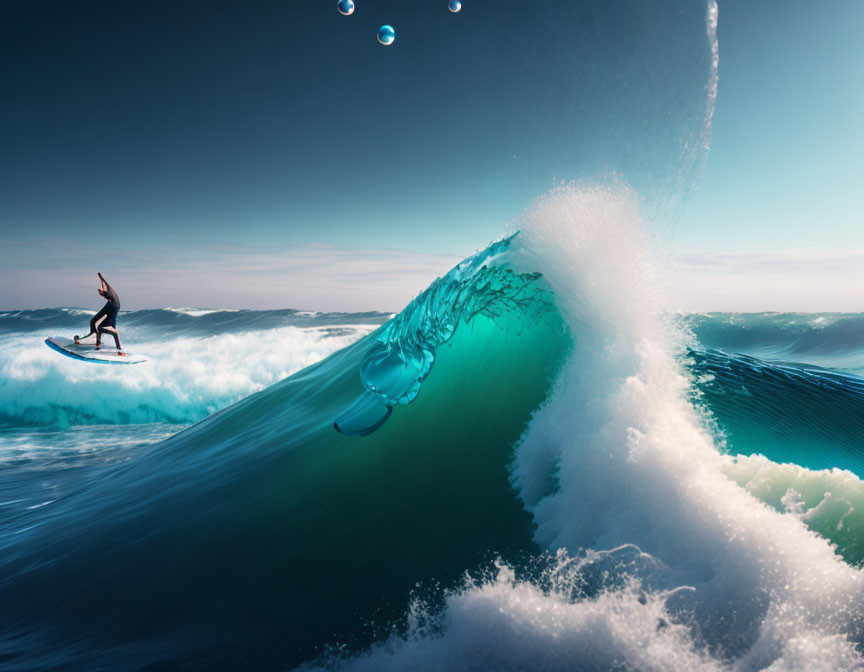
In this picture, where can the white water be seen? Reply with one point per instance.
(636, 464)
(618, 456)
(185, 380)
(829, 501)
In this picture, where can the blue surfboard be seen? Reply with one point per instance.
(87, 352)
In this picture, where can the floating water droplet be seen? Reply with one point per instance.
(455, 6)
(386, 35)
(345, 7)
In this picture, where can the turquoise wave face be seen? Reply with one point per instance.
(403, 353)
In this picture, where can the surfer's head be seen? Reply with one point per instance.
(102, 292)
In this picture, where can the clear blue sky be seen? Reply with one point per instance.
(274, 154)
(785, 168)
(778, 222)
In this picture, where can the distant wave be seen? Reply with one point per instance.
(833, 340)
(194, 369)
(178, 321)
(200, 312)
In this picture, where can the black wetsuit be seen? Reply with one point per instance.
(107, 317)
(109, 311)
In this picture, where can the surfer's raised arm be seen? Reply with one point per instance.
(109, 293)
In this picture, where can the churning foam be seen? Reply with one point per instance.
(185, 380)
(635, 463)
(504, 623)
(201, 312)
(618, 457)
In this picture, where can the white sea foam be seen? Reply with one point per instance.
(829, 501)
(616, 456)
(200, 312)
(185, 380)
(507, 624)
(77, 311)
(76, 445)
(635, 463)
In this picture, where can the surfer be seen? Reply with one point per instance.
(105, 319)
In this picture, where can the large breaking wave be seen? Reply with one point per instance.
(697, 572)
(565, 448)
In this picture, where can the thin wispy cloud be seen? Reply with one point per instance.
(781, 280)
(771, 262)
(57, 271)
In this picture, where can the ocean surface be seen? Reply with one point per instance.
(537, 465)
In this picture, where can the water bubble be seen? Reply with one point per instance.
(345, 7)
(386, 35)
(455, 6)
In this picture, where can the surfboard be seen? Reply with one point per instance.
(87, 352)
